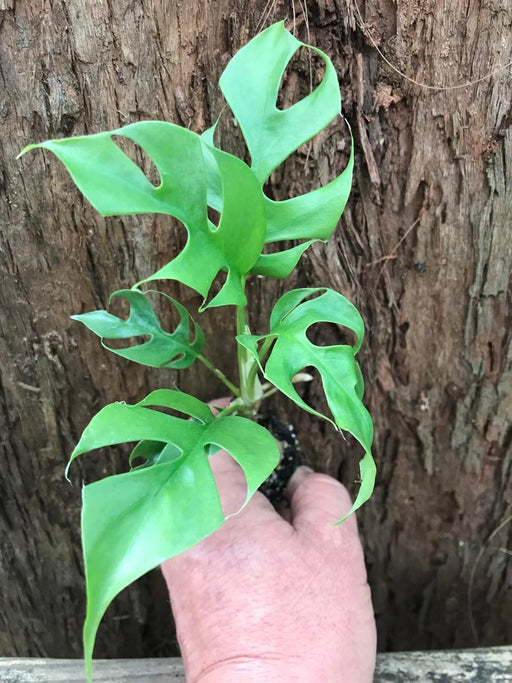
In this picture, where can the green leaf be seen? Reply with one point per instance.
(164, 349)
(134, 521)
(250, 84)
(152, 453)
(115, 185)
(341, 377)
(280, 264)
(313, 215)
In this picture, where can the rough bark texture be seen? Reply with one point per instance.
(424, 249)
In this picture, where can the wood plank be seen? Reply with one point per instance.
(163, 670)
(486, 665)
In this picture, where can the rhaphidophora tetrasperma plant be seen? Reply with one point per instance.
(133, 521)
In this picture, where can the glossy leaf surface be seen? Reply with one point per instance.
(134, 521)
(177, 349)
(250, 84)
(195, 175)
(292, 316)
(115, 185)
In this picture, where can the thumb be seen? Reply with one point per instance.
(317, 501)
(229, 476)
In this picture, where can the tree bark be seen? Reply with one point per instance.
(424, 249)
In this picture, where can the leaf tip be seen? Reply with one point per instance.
(66, 471)
(26, 149)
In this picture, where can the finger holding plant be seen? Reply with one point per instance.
(168, 500)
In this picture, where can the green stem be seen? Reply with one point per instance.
(268, 393)
(252, 374)
(247, 366)
(265, 348)
(233, 407)
(218, 373)
(262, 355)
(238, 406)
(242, 327)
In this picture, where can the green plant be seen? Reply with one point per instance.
(131, 522)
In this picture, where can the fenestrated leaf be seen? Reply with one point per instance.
(177, 349)
(292, 351)
(134, 521)
(250, 84)
(115, 185)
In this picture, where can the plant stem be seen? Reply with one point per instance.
(242, 327)
(251, 377)
(256, 366)
(232, 408)
(268, 393)
(250, 389)
(218, 373)
(266, 347)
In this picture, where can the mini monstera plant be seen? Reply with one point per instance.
(167, 500)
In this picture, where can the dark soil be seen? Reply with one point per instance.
(291, 458)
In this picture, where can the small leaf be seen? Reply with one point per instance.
(134, 521)
(341, 377)
(164, 349)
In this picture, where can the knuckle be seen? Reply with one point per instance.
(318, 483)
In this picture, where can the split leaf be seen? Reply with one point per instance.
(292, 351)
(281, 263)
(116, 186)
(164, 349)
(250, 84)
(132, 522)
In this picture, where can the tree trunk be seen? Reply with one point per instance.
(422, 249)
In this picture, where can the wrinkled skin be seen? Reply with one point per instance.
(272, 599)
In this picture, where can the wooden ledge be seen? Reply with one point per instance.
(485, 665)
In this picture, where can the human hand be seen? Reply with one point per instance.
(265, 599)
